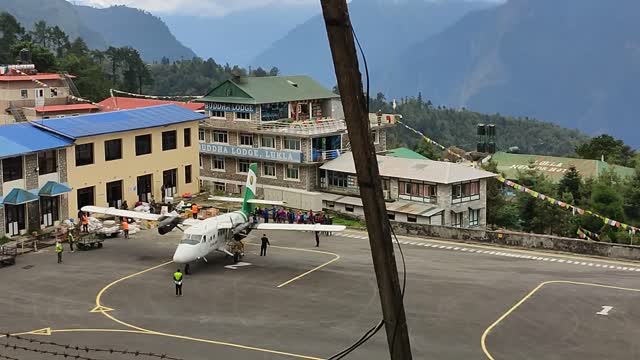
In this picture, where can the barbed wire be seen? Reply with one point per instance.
(91, 349)
(47, 352)
(6, 357)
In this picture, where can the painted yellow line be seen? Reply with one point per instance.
(549, 253)
(336, 257)
(483, 339)
(144, 331)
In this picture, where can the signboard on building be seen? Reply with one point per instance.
(212, 106)
(252, 153)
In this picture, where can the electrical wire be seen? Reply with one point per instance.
(371, 332)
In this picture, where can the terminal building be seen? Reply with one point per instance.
(416, 190)
(289, 125)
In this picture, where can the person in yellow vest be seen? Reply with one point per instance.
(194, 210)
(70, 239)
(177, 279)
(59, 251)
(125, 228)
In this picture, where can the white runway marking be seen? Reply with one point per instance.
(605, 310)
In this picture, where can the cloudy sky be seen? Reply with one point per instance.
(194, 7)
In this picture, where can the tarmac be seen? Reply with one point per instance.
(463, 301)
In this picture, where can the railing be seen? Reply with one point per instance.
(322, 156)
(299, 127)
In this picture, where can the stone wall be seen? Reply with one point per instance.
(531, 241)
(62, 171)
(31, 183)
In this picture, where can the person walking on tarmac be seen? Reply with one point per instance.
(85, 222)
(317, 239)
(70, 239)
(125, 227)
(59, 251)
(194, 210)
(177, 279)
(265, 243)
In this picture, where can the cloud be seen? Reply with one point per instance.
(194, 7)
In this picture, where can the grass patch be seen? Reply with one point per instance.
(4, 240)
(348, 222)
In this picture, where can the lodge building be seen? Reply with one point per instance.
(289, 125)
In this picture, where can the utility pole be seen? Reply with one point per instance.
(343, 50)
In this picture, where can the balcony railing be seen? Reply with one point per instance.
(322, 156)
(300, 128)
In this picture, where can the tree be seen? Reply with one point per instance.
(571, 183)
(58, 40)
(274, 71)
(614, 151)
(426, 149)
(540, 216)
(632, 197)
(79, 48)
(115, 55)
(606, 201)
(500, 212)
(10, 33)
(40, 33)
(42, 58)
(259, 72)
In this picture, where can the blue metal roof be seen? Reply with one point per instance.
(118, 121)
(23, 138)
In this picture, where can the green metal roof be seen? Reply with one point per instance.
(554, 167)
(405, 154)
(268, 89)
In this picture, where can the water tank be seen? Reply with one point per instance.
(491, 148)
(481, 129)
(25, 56)
(491, 130)
(482, 147)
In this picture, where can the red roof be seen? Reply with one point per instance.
(40, 76)
(69, 107)
(125, 103)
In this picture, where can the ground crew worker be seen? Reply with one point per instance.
(85, 222)
(59, 251)
(265, 243)
(317, 239)
(194, 210)
(125, 228)
(177, 279)
(70, 239)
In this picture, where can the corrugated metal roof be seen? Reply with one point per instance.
(404, 153)
(23, 138)
(273, 89)
(68, 107)
(119, 121)
(124, 103)
(401, 206)
(41, 76)
(438, 172)
(552, 166)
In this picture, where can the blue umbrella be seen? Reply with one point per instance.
(18, 197)
(52, 188)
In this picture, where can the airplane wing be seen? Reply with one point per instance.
(122, 213)
(300, 227)
(251, 201)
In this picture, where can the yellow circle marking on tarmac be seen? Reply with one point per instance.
(152, 332)
(483, 340)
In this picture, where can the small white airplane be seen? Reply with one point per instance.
(218, 233)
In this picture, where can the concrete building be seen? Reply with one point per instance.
(288, 124)
(26, 94)
(129, 155)
(114, 103)
(33, 190)
(418, 191)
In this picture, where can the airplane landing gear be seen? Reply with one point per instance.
(187, 269)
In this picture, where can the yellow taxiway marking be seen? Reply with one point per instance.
(512, 249)
(101, 309)
(140, 330)
(483, 340)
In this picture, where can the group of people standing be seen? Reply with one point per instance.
(280, 215)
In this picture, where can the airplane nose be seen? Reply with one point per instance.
(183, 255)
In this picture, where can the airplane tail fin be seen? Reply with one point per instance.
(250, 189)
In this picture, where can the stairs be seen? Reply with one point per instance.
(69, 82)
(17, 113)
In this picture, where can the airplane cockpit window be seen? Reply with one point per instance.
(191, 239)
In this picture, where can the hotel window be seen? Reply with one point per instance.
(269, 169)
(84, 154)
(412, 219)
(201, 135)
(417, 191)
(12, 169)
(54, 92)
(219, 187)
(292, 172)
(348, 208)
(24, 94)
(217, 114)
(187, 137)
(169, 140)
(456, 219)
(331, 204)
(200, 161)
(47, 162)
(243, 116)
(113, 149)
(187, 174)
(376, 136)
(391, 216)
(246, 139)
(220, 137)
(143, 145)
(217, 163)
(292, 144)
(269, 142)
(243, 166)
(474, 217)
(465, 192)
(338, 179)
